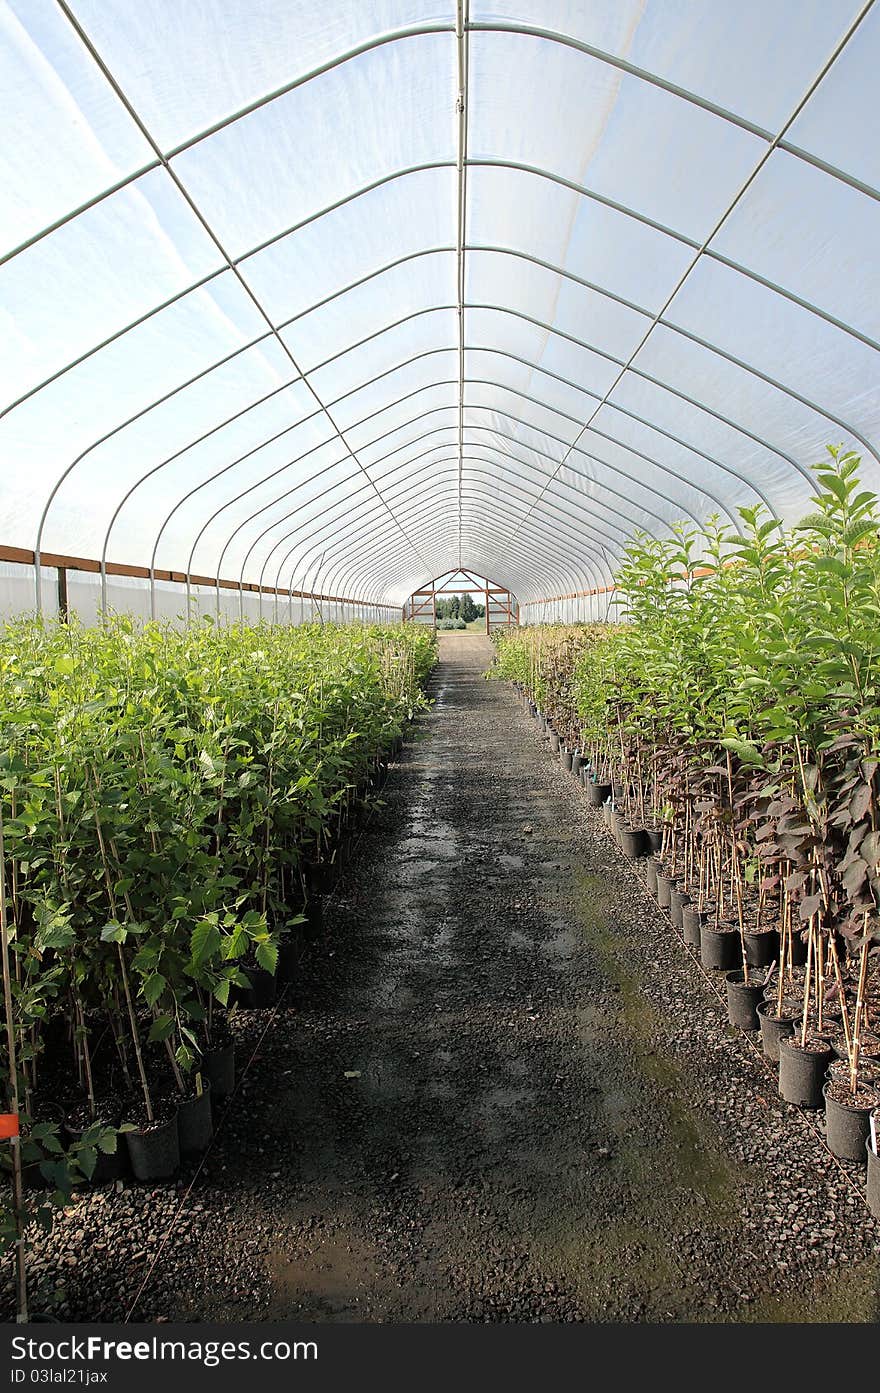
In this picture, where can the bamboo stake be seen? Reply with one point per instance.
(860, 1008)
(807, 983)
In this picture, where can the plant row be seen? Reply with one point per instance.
(172, 803)
(731, 728)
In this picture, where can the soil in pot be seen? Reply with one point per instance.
(802, 1069)
(848, 1118)
(218, 1067)
(153, 1147)
(742, 1001)
(774, 1027)
(194, 1126)
(108, 1112)
(872, 1194)
(678, 898)
(762, 947)
(691, 922)
(838, 1072)
(720, 948)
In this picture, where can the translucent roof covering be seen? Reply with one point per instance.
(351, 294)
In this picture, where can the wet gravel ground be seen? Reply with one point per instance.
(500, 1090)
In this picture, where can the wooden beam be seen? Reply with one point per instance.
(56, 560)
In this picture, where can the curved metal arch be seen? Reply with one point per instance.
(210, 233)
(539, 558)
(513, 166)
(656, 319)
(685, 333)
(597, 459)
(418, 31)
(353, 517)
(524, 30)
(537, 367)
(273, 502)
(388, 372)
(485, 349)
(603, 463)
(233, 463)
(369, 542)
(491, 495)
(565, 524)
(698, 488)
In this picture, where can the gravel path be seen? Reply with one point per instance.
(547, 1118)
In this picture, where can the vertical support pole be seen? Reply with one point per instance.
(63, 603)
(14, 1141)
(487, 609)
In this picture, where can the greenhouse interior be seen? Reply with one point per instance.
(440, 652)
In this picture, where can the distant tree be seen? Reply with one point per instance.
(479, 611)
(467, 610)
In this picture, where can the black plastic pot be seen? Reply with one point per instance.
(598, 794)
(154, 1152)
(633, 842)
(651, 875)
(194, 1126)
(801, 1073)
(565, 757)
(677, 901)
(847, 1129)
(664, 889)
(608, 814)
(289, 953)
(773, 1029)
(762, 948)
(314, 912)
(554, 742)
(655, 838)
(218, 1067)
(691, 921)
(872, 1194)
(576, 764)
(798, 951)
(262, 991)
(618, 791)
(719, 951)
(742, 1001)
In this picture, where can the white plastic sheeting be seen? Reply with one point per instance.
(339, 297)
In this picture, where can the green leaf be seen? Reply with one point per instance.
(153, 988)
(267, 957)
(161, 1028)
